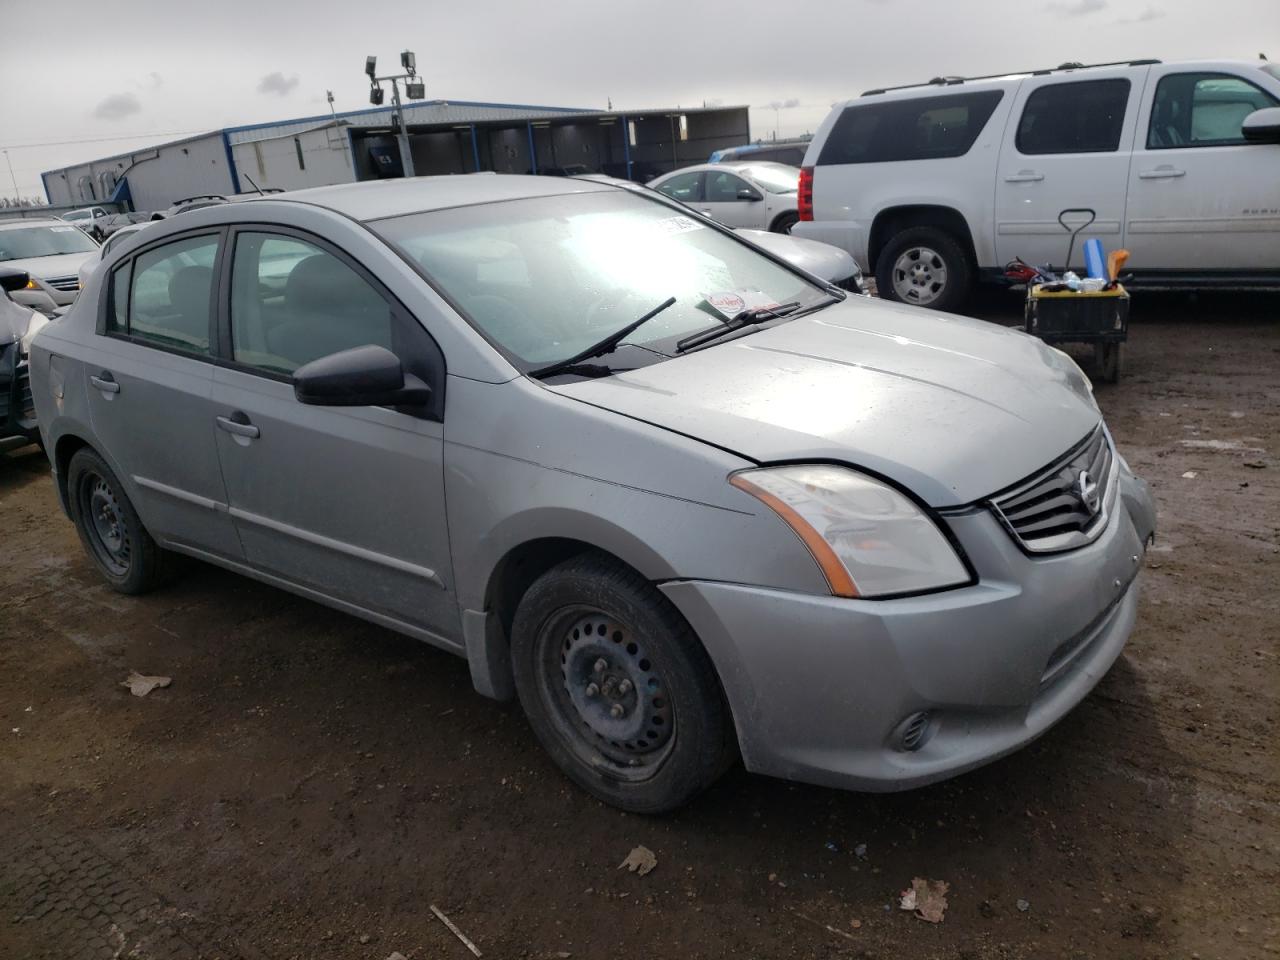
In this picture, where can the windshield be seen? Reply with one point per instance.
(544, 278)
(775, 178)
(21, 243)
(77, 215)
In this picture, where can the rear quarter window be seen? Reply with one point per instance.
(921, 128)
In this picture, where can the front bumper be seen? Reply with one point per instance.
(17, 408)
(820, 686)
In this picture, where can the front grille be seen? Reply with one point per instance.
(64, 284)
(1063, 506)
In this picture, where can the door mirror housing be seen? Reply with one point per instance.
(13, 280)
(1262, 126)
(746, 193)
(368, 376)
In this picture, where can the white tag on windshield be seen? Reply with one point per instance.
(678, 225)
(63, 229)
(725, 303)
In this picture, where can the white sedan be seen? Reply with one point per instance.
(760, 195)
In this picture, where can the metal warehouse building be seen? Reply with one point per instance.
(445, 137)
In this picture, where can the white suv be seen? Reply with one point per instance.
(936, 185)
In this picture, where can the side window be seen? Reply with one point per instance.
(918, 128)
(1083, 116)
(724, 187)
(118, 307)
(687, 188)
(169, 294)
(293, 302)
(1202, 110)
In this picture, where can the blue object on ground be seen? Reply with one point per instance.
(1095, 259)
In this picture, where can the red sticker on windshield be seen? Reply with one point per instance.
(729, 304)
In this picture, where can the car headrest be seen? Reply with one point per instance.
(189, 290)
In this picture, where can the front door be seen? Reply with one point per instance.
(732, 201)
(348, 501)
(1067, 147)
(1200, 197)
(149, 386)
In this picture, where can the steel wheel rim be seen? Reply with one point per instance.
(108, 533)
(919, 275)
(607, 698)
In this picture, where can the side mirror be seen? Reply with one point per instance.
(746, 193)
(368, 376)
(12, 281)
(1262, 126)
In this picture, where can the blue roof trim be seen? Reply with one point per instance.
(365, 111)
(44, 182)
(231, 163)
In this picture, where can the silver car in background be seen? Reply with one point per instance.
(51, 252)
(684, 501)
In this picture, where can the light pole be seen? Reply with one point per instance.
(9, 160)
(414, 89)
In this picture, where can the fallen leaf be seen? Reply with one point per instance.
(639, 861)
(927, 898)
(140, 686)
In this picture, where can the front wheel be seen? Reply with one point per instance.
(926, 267)
(617, 688)
(784, 222)
(113, 536)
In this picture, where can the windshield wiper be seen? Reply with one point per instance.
(601, 347)
(743, 318)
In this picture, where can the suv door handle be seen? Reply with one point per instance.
(1162, 172)
(1024, 176)
(238, 425)
(105, 382)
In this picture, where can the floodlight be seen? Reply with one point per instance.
(371, 66)
(415, 89)
(408, 61)
(375, 96)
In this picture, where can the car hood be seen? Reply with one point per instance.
(59, 265)
(953, 409)
(820, 259)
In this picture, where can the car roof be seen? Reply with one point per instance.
(44, 222)
(376, 199)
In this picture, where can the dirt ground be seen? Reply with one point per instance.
(309, 785)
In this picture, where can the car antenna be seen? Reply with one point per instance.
(261, 192)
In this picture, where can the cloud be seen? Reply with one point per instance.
(1078, 7)
(789, 104)
(117, 105)
(277, 83)
(1146, 16)
(154, 80)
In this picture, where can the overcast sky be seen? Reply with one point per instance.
(183, 67)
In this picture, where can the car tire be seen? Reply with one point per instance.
(926, 267)
(784, 222)
(109, 527)
(583, 629)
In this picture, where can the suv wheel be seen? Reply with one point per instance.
(926, 267)
(617, 688)
(784, 222)
(109, 528)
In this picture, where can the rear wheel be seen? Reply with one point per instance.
(109, 528)
(926, 267)
(617, 688)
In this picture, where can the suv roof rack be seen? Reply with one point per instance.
(199, 196)
(955, 81)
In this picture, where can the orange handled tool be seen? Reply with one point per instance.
(1116, 259)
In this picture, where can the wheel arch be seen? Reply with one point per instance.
(64, 449)
(893, 220)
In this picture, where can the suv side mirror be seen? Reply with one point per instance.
(1262, 126)
(12, 281)
(368, 376)
(746, 193)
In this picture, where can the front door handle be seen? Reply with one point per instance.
(105, 382)
(1024, 176)
(1162, 172)
(238, 425)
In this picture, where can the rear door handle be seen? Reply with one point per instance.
(1164, 172)
(1024, 176)
(105, 382)
(238, 425)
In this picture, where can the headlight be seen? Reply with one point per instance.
(1077, 379)
(868, 539)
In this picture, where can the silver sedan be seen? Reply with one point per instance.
(684, 501)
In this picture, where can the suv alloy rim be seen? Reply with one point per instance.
(919, 275)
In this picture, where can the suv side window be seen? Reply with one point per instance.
(293, 302)
(169, 292)
(1202, 110)
(920, 128)
(724, 187)
(687, 188)
(1083, 116)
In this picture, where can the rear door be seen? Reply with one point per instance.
(733, 201)
(1067, 147)
(1200, 197)
(347, 501)
(149, 391)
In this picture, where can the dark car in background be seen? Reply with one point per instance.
(18, 324)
